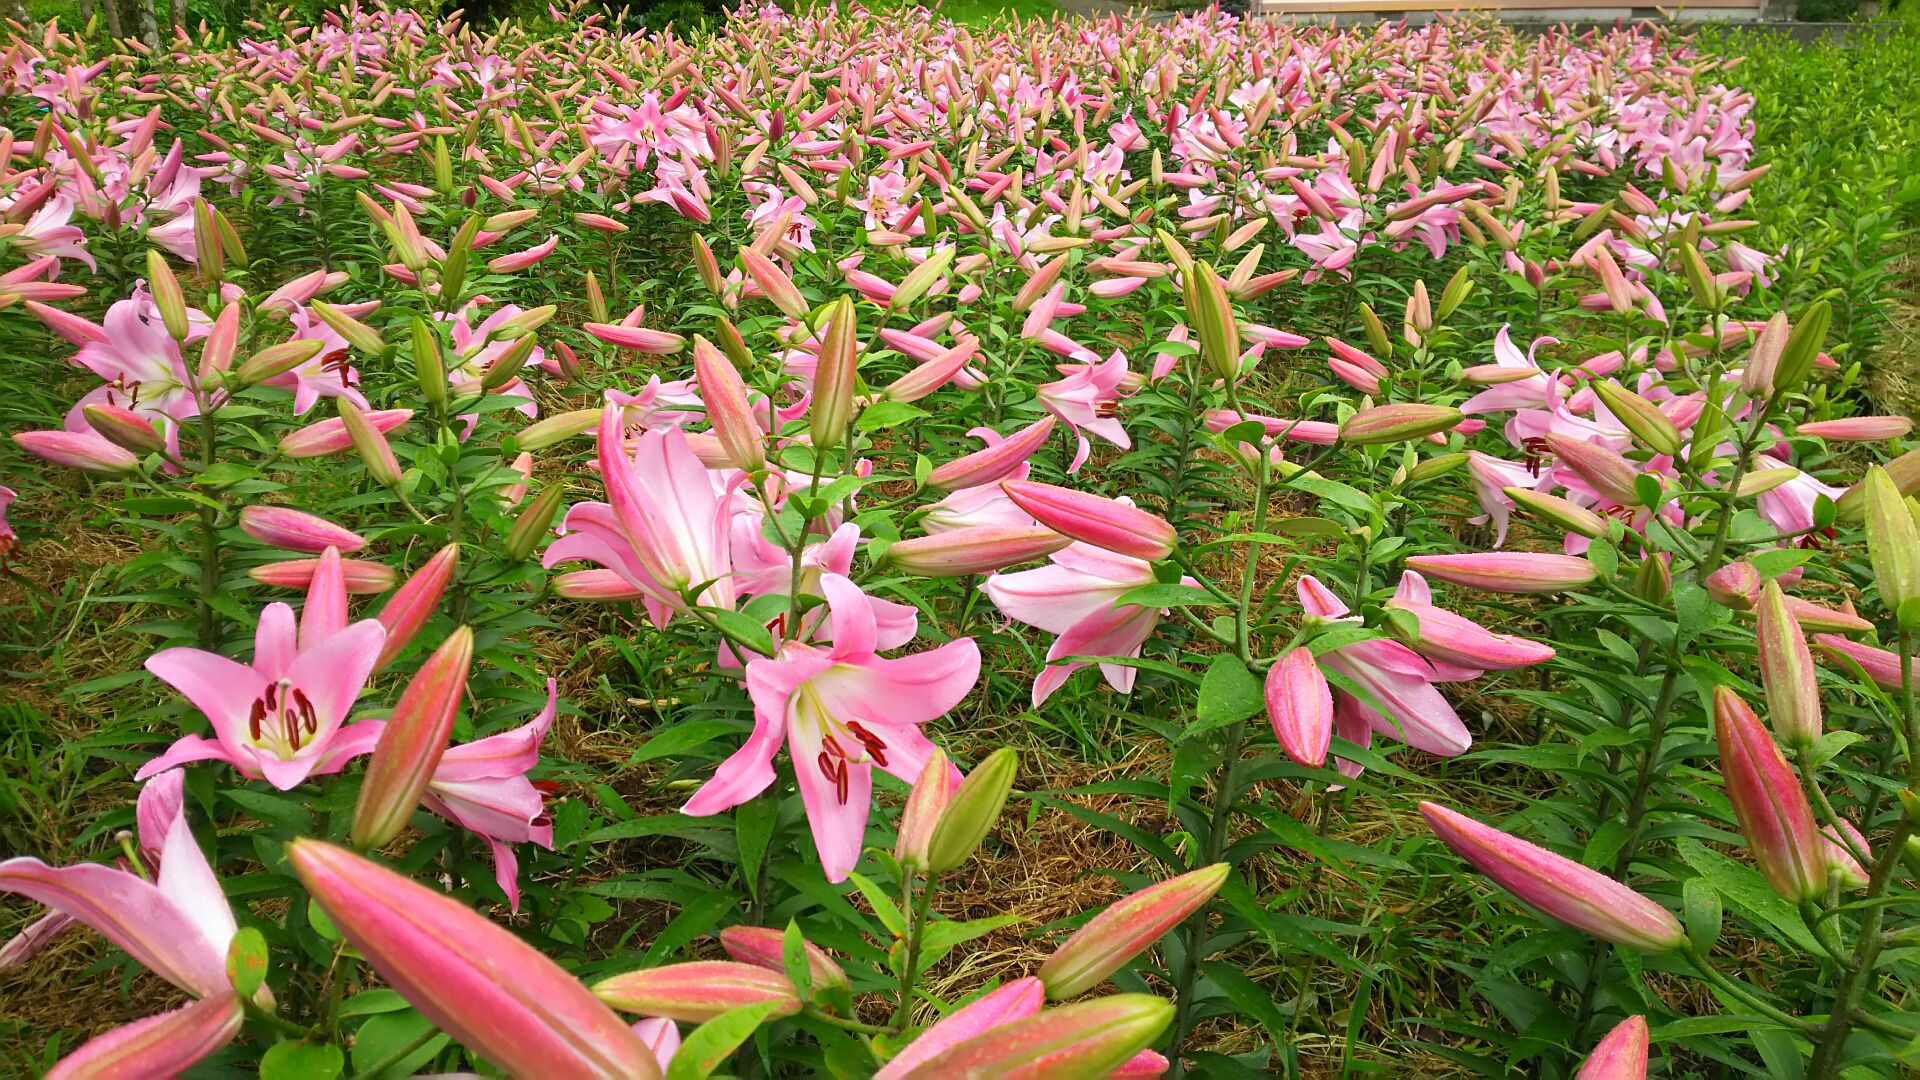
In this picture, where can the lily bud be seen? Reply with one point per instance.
(357, 334)
(1404, 422)
(167, 297)
(222, 341)
(994, 463)
(1558, 887)
(1786, 670)
(557, 428)
(1904, 471)
(1768, 802)
(362, 577)
(277, 360)
(834, 377)
(1653, 578)
(1622, 1055)
(1893, 541)
(124, 428)
(932, 375)
(297, 530)
(1642, 417)
(932, 794)
(1559, 512)
(1102, 522)
(1127, 928)
(470, 977)
(1803, 346)
(1735, 585)
(1377, 338)
(698, 991)
(78, 450)
(596, 586)
(370, 443)
(207, 256)
(1858, 428)
(1706, 292)
(1088, 1038)
(596, 299)
(534, 523)
(1763, 359)
(978, 549)
(774, 283)
(411, 744)
(765, 947)
(920, 279)
(1300, 706)
(1508, 571)
(167, 1044)
(975, 807)
(1211, 316)
(728, 410)
(1609, 474)
(429, 367)
(330, 436)
(412, 604)
(708, 266)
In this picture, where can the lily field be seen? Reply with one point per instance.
(845, 543)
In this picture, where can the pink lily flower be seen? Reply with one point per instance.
(330, 373)
(8, 538)
(1491, 478)
(482, 786)
(1447, 639)
(841, 710)
(663, 527)
(1533, 392)
(281, 717)
(177, 926)
(1075, 598)
(1085, 400)
(1398, 679)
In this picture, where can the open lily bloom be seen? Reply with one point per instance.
(1535, 391)
(1399, 680)
(177, 926)
(1084, 400)
(841, 711)
(482, 786)
(1447, 639)
(1076, 599)
(281, 717)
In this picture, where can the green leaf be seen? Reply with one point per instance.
(883, 905)
(1743, 886)
(387, 1034)
(680, 738)
(753, 827)
(940, 938)
(886, 414)
(714, 1041)
(247, 961)
(1165, 596)
(742, 628)
(1335, 492)
(1229, 693)
(286, 810)
(302, 1061)
(1700, 906)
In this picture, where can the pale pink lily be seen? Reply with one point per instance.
(663, 528)
(331, 372)
(1076, 599)
(841, 711)
(1491, 476)
(1450, 640)
(1535, 391)
(763, 568)
(1399, 680)
(482, 786)
(281, 717)
(1085, 399)
(177, 925)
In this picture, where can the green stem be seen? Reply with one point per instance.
(1220, 819)
(209, 540)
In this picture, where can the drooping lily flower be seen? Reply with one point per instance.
(1399, 680)
(1075, 598)
(1084, 401)
(482, 786)
(1448, 638)
(841, 711)
(177, 925)
(280, 717)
